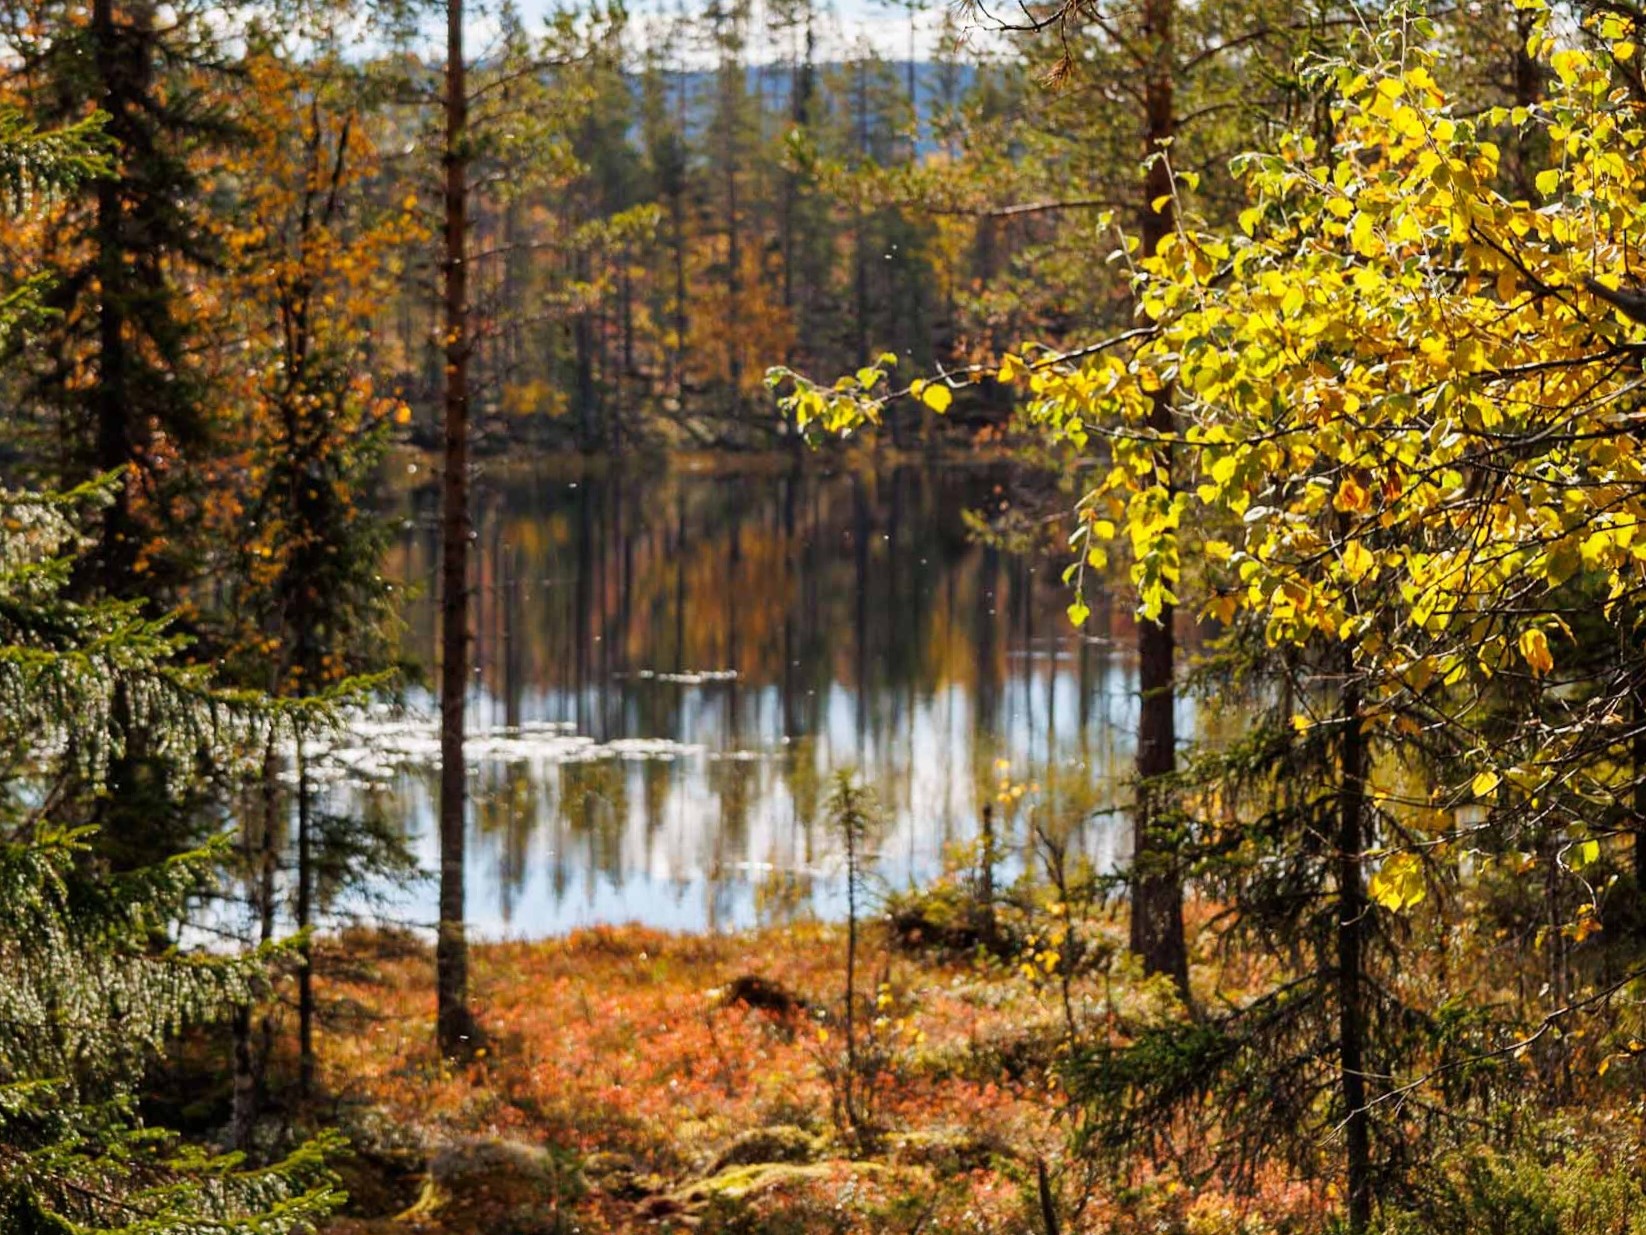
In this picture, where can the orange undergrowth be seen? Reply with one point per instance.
(621, 1046)
(622, 1040)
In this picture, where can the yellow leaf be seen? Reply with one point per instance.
(937, 397)
(1399, 885)
(1548, 182)
(1569, 63)
(1534, 646)
(1357, 560)
(1361, 236)
(1351, 496)
(1484, 783)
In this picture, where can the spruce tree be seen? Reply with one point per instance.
(96, 982)
(94, 989)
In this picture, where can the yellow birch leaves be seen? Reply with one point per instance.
(1391, 368)
(1398, 410)
(1398, 884)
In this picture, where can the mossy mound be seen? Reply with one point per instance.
(498, 1187)
(618, 1175)
(379, 1182)
(775, 1143)
(802, 1199)
(745, 1183)
(1025, 1052)
(947, 918)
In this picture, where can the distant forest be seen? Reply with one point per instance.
(693, 226)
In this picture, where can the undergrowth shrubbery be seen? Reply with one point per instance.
(1481, 1190)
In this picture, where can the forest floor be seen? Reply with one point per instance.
(634, 1080)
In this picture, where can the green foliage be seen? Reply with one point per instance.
(39, 165)
(94, 982)
(1521, 1192)
(90, 998)
(94, 985)
(62, 658)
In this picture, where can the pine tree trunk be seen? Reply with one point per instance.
(117, 550)
(305, 919)
(243, 1111)
(985, 891)
(860, 240)
(733, 103)
(250, 1058)
(588, 425)
(453, 1020)
(1157, 889)
(1528, 88)
(734, 287)
(677, 353)
(851, 967)
(268, 873)
(1352, 917)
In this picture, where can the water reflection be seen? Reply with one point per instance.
(721, 642)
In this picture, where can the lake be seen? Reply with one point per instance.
(671, 666)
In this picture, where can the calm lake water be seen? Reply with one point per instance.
(672, 665)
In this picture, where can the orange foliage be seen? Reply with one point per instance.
(624, 1041)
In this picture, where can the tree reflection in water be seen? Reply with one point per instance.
(776, 624)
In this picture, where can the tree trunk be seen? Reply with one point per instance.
(678, 180)
(1352, 917)
(851, 964)
(860, 253)
(588, 426)
(1637, 753)
(1528, 88)
(305, 919)
(985, 890)
(1157, 889)
(733, 103)
(243, 1112)
(118, 546)
(250, 1059)
(453, 1020)
(677, 352)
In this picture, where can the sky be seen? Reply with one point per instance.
(842, 29)
(845, 24)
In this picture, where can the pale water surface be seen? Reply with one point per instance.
(671, 665)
